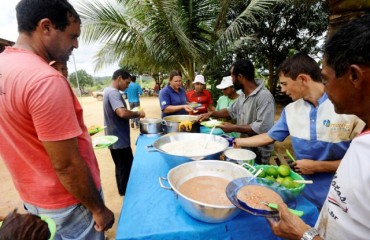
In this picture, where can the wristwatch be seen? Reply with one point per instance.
(310, 234)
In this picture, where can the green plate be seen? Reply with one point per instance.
(103, 141)
(95, 129)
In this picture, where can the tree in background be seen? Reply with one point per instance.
(299, 27)
(272, 37)
(169, 34)
(81, 79)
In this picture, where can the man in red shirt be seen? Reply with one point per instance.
(45, 143)
(199, 98)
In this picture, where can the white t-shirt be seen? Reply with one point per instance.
(346, 212)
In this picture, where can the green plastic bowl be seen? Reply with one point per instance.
(295, 176)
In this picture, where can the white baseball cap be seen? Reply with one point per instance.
(199, 79)
(225, 83)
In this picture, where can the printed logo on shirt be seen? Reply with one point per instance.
(337, 127)
(337, 189)
(163, 102)
(326, 123)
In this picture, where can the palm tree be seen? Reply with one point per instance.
(341, 11)
(164, 34)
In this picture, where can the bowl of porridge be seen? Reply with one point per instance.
(201, 188)
(178, 148)
(250, 195)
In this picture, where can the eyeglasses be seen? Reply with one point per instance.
(50, 222)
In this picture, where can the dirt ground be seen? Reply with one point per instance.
(93, 115)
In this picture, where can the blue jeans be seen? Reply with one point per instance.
(73, 222)
(133, 105)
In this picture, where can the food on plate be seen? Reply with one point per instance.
(101, 142)
(93, 129)
(136, 109)
(254, 196)
(195, 105)
(212, 123)
(104, 141)
(193, 147)
(206, 189)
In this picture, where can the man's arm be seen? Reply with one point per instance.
(229, 127)
(211, 108)
(223, 113)
(255, 141)
(288, 225)
(308, 166)
(75, 176)
(127, 114)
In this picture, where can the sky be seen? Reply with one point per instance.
(83, 55)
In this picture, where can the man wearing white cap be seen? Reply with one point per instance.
(229, 96)
(200, 96)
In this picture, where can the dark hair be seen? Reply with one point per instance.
(133, 78)
(121, 72)
(174, 73)
(24, 226)
(244, 67)
(300, 63)
(30, 12)
(349, 45)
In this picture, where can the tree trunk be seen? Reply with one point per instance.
(271, 82)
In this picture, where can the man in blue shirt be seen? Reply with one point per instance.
(320, 137)
(133, 92)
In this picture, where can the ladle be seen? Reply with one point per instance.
(210, 133)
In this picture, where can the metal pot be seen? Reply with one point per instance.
(240, 156)
(173, 159)
(172, 123)
(198, 210)
(151, 126)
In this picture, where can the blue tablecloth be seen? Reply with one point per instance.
(151, 212)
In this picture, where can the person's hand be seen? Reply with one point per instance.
(227, 127)
(188, 108)
(204, 116)
(288, 226)
(304, 166)
(104, 219)
(141, 114)
(236, 143)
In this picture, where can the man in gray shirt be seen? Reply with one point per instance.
(254, 110)
(116, 118)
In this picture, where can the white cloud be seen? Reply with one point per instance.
(84, 55)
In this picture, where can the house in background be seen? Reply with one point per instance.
(4, 43)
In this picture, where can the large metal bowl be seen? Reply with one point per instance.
(198, 210)
(174, 159)
(172, 123)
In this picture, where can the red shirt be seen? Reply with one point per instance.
(203, 98)
(37, 104)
